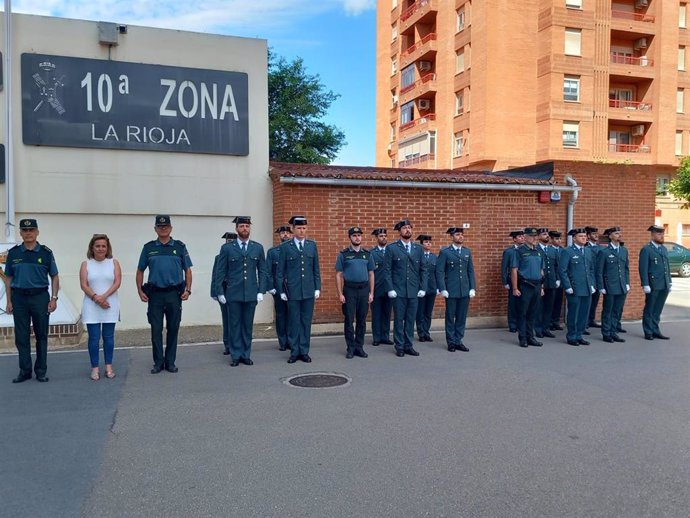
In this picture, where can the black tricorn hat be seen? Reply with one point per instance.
(298, 220)
(611, 230)
(574, 231)
(554, 233)
(516, 233)
(400, 224)
(283, 228)
(656, 228)
(378, 231)
(455, 230)
(589, 230)
(229, 235)
(238, 220)
(423, 237)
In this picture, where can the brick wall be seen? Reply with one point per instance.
(612, 194)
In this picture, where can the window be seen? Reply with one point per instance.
(392, 132)
(682, 12)
(686, 230)
(457, 145)
(571, 132)
(394, 32)
(571, 88)
(407, 76)
(460, 61)
(406, 111)
(573, 4)
(461, 19)
(459, 103)
(573, 42)
(679, 143)
(432, 142)
(619, 140)
(662, 185)
(681, 58)
(394, 66)
(680, 100)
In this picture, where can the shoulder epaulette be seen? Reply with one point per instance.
(345, 250)
(177, 241)
(48, 249)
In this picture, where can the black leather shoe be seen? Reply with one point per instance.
(534, 343)
(292, 359)
(462, 347)
(593, 324)
(539, 335)
(621, 330)
(421, 338)
(361, 353)
(411, 351)
(171, 368)
(649, 337)
(429, 339)
(585, 332)
(573, 342)
(513, 330)
(246, 361)
(549, 334)
(43, 378)
(608, 339)
(282, 348)
(583, 342)
(225, 353)
(523, 344)
(451, 348)
(21, 378)
(387, 342)
(375, 344)
(306, 358)
(156, 369)
(660, 336)
(557, 328)
(617, 338)
(234, 363)
(349, 355)
(399, 354)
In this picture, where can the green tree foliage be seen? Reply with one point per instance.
(297, 101)
(680, 185)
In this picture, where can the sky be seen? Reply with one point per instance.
(335, 38)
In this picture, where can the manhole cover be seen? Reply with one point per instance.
(318, 380)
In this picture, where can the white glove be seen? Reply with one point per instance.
(259, 297)
(472, 293)
(221, 299)
(392, 294)
(569, 291)
(592, 289)
(627, 288)
(647, 289)
(272, 292)
(317, 294)
(506, 286)
(445, 294)
(558, 284)
(215, 298)
(602, 291)
(421, 293)
(438, 292)
(283, 297)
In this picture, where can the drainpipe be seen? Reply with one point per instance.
(571, 205)
(9, 144)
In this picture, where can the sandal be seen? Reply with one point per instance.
(95, 375)
(110, 374)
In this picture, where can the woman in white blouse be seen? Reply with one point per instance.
(100, 277)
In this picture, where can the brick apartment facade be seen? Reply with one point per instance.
(611, 195)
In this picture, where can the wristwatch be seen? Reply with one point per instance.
(188, 290)
(54, 297)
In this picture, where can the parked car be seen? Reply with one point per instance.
(678, 258)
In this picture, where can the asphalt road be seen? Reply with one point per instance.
(598, 431)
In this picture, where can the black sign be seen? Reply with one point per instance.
(116, 105)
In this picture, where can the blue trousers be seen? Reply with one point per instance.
(543, 321)
(31, 310)
(405, 312)
(169, 305)
(513, 311)
(226, 336)
(96, 332)
(653, 306)
(456, 317)
(281, 309)
(611, 314)
(241, 327)
(300, 313)
(530, 305)
(425, 310)
(381, 309)
(578, 314)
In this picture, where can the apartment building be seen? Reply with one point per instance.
(494, 84)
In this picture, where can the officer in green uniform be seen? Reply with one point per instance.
(556, 239)
(354, 280)
(425, 308)
(518, 237)
(382, 306)
(228, 236)
(593, 243)
(279, 305)
(527, 272)
(551, 284)
(169, 283)
(655, 277)
(613, 281)
(28, 268)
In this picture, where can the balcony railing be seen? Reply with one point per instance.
(422, 120)
(625, 59)
(425, 39)
(636, 17)
(411, 10)
(418, 82)
(629, 148)
(416, 160)
(630, 105)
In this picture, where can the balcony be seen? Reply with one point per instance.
(629, 148)
(419, 87)
(630, 111)
(422, 11)
(621, 58)
(627, 68)
(632, 16)
(423, 119)
(417, 160)
(420, 50)
(630, 105)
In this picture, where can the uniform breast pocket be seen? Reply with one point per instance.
(611, 260)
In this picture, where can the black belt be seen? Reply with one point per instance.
(167, 288)
(356, 284)
(30, 291)
(531, 283)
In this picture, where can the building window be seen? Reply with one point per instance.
(461, 19)
(459, 103)
(680, 100)
(394, 66)
(392, 132)
(571, 88)
(573, 4)
(460, 61)
(681, 15)
(394, 32)
(681, 58)
(407, 76)
(406, 111)
(457, 145)
(571, 134)
(573, 42)
(679, 143)
(662, 185)
(686, 230)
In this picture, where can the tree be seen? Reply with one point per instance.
(680, 185)
(296, 103)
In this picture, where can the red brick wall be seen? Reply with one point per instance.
(611, 195)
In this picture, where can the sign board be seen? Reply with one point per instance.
(77, 102)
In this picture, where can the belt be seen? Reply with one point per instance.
(356, 284)
(530, 282)
(30, 291)
(167, 288)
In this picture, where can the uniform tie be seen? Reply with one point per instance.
(244, 247)
(407, 247)
(300, 246)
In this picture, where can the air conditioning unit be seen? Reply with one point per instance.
(424, 65)
(424, 104)
(641, 4)
(638, 130)
(640, 44)
(395, 100)
(390, 147)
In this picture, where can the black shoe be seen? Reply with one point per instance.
(21, 378)
(399, 354)
(225, 353)
(649, 337)
(171, 368)
(282, 348)
(361, 353)
(234, 363)
(585, 332)
(375, 344)
(292, 359)
(421, 338)
(429, 339)
(573, 342)
(660, 336)
(246, 361)
(593, 324)
(534, 343)
(387, 342)
(548, 334)
(583, 342)
(621, 330)
(451, 348)
(557, 328)
(523, 344)
(539, 335)
(349, 355)
(156, 369)
(42, 378)
(462, 347)
(411, 351)
(608, 339)
(617, 338)
(513, 330)
(306, 358)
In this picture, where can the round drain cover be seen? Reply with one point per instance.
(318, 380)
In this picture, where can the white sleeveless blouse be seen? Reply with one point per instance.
(101, 275)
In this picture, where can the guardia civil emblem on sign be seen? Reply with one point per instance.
(48, 85)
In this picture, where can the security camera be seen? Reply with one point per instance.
(122, 29)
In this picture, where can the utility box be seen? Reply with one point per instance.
(107, 33)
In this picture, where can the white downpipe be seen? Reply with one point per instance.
(9, 151)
